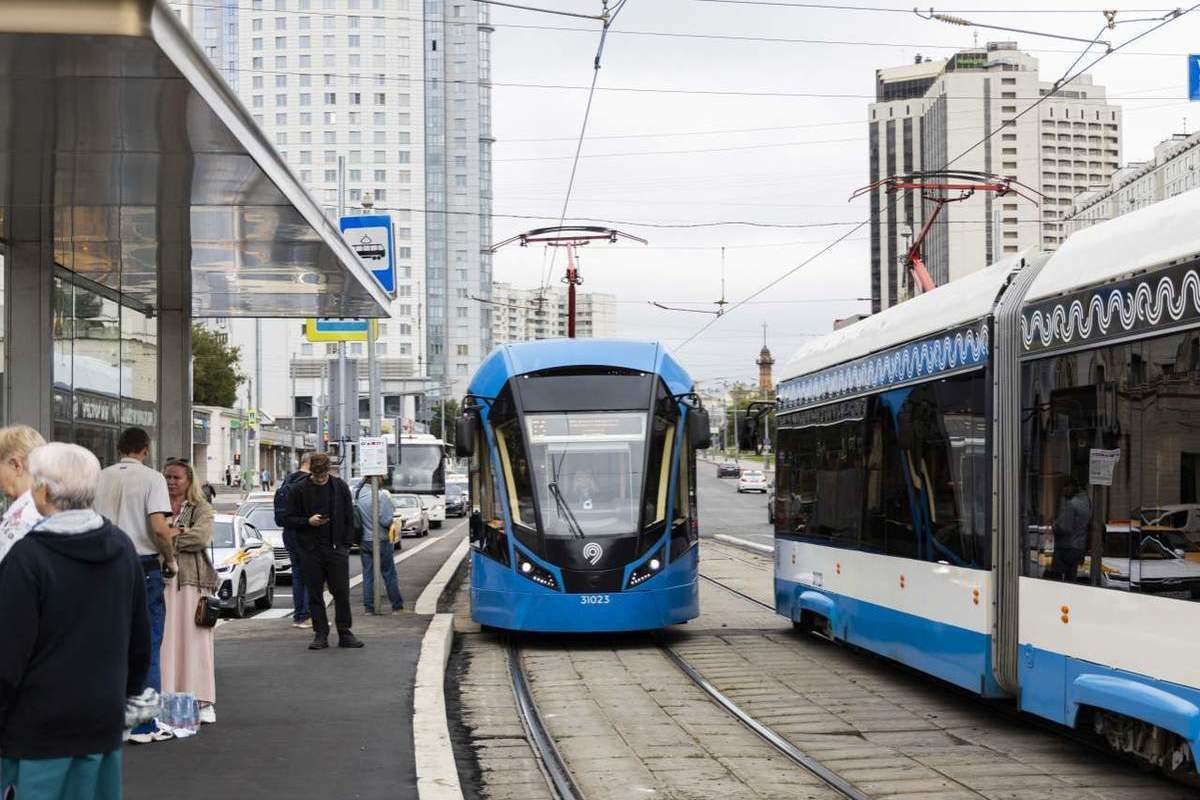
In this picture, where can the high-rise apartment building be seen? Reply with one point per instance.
(965, 113)
(458, 197)
(1174, 169)
(340, 88)
(519, 316)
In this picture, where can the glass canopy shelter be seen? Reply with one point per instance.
(136, 193)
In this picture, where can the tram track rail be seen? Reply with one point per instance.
(558, 776)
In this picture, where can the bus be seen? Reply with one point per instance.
(420, 468)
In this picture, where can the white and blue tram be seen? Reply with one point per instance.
(998, 483)
(583, 487)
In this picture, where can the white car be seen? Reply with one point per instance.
(245, 565)
(410, 515)
(262, 517)
(752, 480)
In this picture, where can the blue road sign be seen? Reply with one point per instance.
(1194, 77)
(371, 237)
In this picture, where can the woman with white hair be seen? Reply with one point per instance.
(77, 639)
(16, 443)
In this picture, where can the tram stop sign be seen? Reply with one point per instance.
(371, 238)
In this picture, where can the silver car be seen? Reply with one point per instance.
(410, 516)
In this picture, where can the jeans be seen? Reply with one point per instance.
(323, 565)
(387, 569)
(157, 611)
(300, 612)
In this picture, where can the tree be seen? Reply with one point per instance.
(216, 372)
(435, 423)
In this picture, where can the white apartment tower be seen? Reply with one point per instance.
(518, 316)
(932, 115)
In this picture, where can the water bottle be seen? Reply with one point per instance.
(166, 714)
(192, 713)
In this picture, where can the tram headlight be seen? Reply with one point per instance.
(533, 572)
(647, 570)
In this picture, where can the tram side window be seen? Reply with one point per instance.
(1108, 441)
(658, 461)
(942, 433)
(514, 461)
(820, 466)
(888, 522)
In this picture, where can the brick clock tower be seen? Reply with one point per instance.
(766, 386)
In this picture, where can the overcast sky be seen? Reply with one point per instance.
(783, 160)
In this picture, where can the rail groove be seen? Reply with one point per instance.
(557, 774)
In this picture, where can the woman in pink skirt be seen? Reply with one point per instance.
(187, 649)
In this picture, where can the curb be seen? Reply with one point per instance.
(746, 543)
(428, 601)
(437, 773)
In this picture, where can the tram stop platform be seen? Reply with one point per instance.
(295, 723)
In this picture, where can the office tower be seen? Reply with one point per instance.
(933, 115)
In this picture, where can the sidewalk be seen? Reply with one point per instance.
(293, 723)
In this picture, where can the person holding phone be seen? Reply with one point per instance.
(321, 511)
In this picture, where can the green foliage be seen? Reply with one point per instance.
(435, 424)
(216, 372)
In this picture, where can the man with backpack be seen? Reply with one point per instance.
(387, 565)
(301, 616)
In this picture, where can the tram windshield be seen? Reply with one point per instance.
(587, 471)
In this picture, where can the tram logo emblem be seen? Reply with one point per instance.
(593, 552)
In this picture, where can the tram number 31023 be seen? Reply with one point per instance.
(593, 599)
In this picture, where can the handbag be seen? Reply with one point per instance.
(208, 610)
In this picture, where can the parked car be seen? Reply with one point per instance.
(752, 480)
(457, 500)
(245, 565)
(262, 516)
(728, 469)
(410, 515)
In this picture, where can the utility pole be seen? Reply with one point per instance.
(246, 433)
(341, 346)
(374, 402)
(258, 383)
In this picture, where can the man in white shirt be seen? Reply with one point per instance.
(134, 498)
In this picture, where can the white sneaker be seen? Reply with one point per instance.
(208, 714)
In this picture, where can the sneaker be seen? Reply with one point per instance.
(208, 714)
(305, 625)
(397, 610)
(348, 639)
(369, 612)
(161, 733)
(319, 643)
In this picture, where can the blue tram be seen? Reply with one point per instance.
(998, 483)
(583, 487)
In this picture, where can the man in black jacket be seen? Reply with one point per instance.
(76, 636)
(321, 512)
(301, 616)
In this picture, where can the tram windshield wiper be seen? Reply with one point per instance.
(564, 511)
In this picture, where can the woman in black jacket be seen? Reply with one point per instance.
(76, 638)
